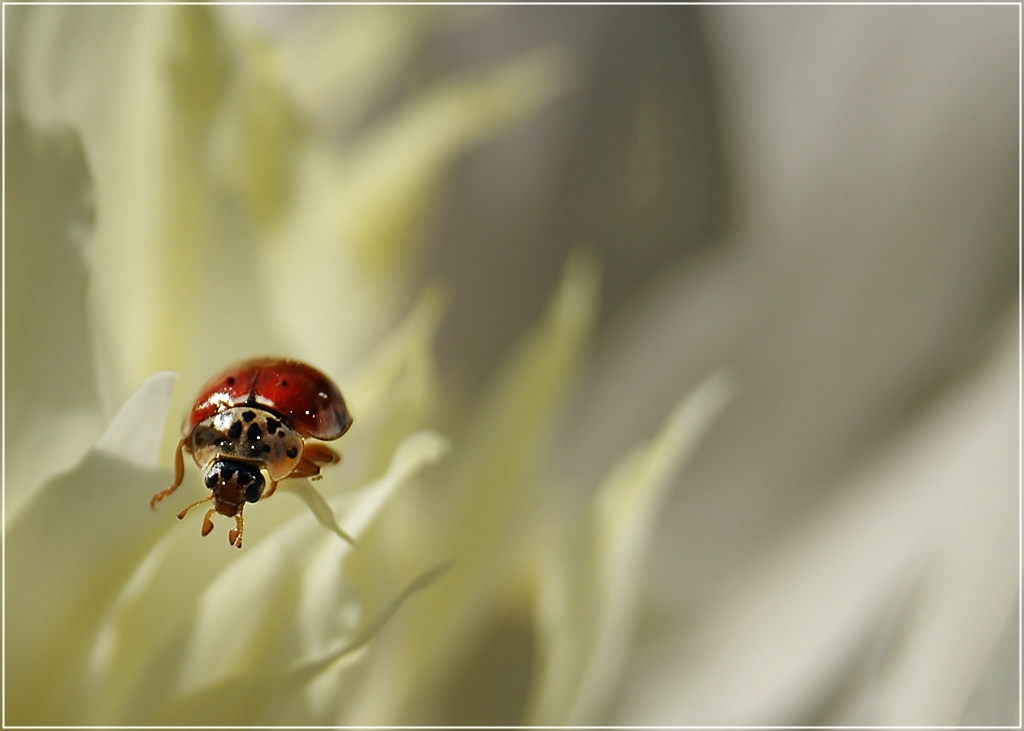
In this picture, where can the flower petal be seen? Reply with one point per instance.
(358, 215)
(590, 588)
(141, 120)
(339, 60)
(489, 494)
(175, 218)
(132, 683)
(394, 389)
(52, 402)
(303, 673)
(394, 172)
(266, 589)
(412, 455)
(261, 697)
(418, 450)
(883, 605)
(69, 553)
(137, 430)
(321, 510)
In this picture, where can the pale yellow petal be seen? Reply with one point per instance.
(255, 133)
(318, 506)
(173, 112)
(303, 673)
(489, 493)
(352, 240)
(261, 696)
(394, 389)
(69, 554)
(419, 450)
(416, 451)
(264, 590)
(339, 60)
(395, 174)
(103, 69)
(590, 587)
(137, 430)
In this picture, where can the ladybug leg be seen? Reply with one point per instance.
(179, 475)
(315, 456)
(320, 454)
(235, 534)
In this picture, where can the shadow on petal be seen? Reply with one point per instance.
(256, 698)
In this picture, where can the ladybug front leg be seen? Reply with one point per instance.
(179, 474)
(314, 456)
(235, 534)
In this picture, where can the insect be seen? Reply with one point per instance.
(250, 427)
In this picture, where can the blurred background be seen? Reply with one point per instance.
(825, 201)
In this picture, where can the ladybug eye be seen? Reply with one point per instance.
(255, 491)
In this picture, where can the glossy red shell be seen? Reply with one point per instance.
(305, 398)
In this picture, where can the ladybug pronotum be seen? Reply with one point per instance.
(248, 430)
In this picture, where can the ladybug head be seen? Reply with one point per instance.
(233, 483)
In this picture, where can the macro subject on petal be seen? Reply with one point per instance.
(564, 365)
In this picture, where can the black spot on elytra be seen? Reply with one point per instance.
(236, 430)
(254, 432)
(248, 415)
(231, 380)
(266, 448)
(273, 425)
(293, 452)
(283, 384)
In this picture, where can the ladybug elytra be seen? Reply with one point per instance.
(248, 430)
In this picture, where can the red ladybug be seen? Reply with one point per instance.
(255, 418)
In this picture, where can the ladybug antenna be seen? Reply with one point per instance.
(207, 523)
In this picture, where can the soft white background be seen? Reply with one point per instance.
(836, 218)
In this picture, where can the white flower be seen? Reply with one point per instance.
(225, 225)
(844, 548)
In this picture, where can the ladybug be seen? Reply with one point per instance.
(248, 430)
